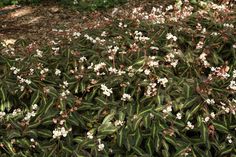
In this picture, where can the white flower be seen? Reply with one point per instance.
(106, 91)
(168, 109)
(206, 119)
(229, 138)
(101, 147)
(28, 81)
(57, 72)
(32, 140)
(58, 132)
(45, 70)
(29, 115)
(89, 135)
(232, 85)
(75, 2)
(99, 66)
(76, 34)
(170, 7)
(170, 36)
(119, 123)
(210, 101)
(154, 48)
(178, 115)
(234, 74)
(82, 59)
(147, 71)
(126, 97)
(162, 81)
(65, 83)
(112, 70)
(39, 53)
(189, 125)
(35, 107)
(213, 115)
(15, 70)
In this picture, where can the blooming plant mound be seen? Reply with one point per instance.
(156, 81)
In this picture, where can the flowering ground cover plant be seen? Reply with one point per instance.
(156, 81)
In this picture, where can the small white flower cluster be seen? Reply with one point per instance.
(22, 80)
(152, 62)
(139, 36)
(106, 91)
(131, 71)
(210, 101)
(98, 67)
(214, 33)
(162, 81)
(151, 89)
(60, 131)
(75, 2)
(170, 58)
(220, 71)
(2, 114)
(167, 110)
(16, 112)
(32, 113)
(147, 72)
(227, 25)
(232, 85)
(57, 72)
(225, 108)
(89, 135)
(179, 115)
(169, 7)
(94, 41)
(119, 123)
(154, 48)
(33, 143)
(65, 91)
(39, 53)
(203, 59)
(112, 70)
(76, 35)
(207, 118)
(170, 36)
(104, 34)
(121, 25)
(101, 146)
(55, 50)
(189, 125)
(229, 138)
(82, 59)
(31, 71)
(15, 70)
(157, 16)
(126, 97)
(44, 71)
(234, 74)
(112, 51)
(199, 45)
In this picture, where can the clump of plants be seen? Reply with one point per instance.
(78, 4)
(157, 82)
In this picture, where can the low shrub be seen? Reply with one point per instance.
(79, 4)
(155, 83)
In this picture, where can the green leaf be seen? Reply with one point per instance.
(221, 128)
(109, 117)
(35, 97)
(138, 151)
(106, 129)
